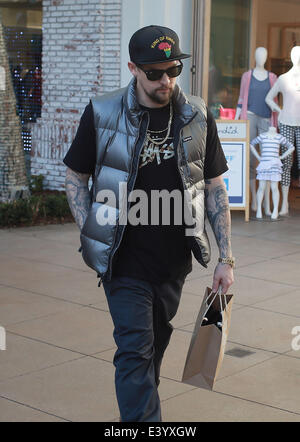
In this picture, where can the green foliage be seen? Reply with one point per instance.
(36, 184)
(41, 208)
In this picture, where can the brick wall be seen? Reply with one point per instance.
(12, 159)
(81, 59)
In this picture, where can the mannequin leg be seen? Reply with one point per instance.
(253, 194)
(298, 152)
(263, 126)
(285, 200)
(275, 199)
(267, 199)
(259, 197)
(288, 132)
(253, 123)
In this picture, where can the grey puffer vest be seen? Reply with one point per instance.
(121, 126)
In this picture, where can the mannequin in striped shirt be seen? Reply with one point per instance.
(270, 166)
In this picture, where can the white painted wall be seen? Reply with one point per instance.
(175, 14)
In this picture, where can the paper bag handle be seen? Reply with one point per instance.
(219, 292)
(215, 295)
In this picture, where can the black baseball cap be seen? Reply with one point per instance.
(155, 44)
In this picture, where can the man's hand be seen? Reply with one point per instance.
(223, 276)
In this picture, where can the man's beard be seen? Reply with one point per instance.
(157, 98)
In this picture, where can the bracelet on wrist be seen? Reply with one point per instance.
(228, 260)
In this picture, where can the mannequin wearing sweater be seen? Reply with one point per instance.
(289, 118)
(270, 166)
(255, 85)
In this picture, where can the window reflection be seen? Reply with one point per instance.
(229, 52)
(22, 28)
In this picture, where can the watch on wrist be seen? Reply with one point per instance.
(230, 261)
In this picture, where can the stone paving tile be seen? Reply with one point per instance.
(79, 391)
(67, 233)
(273, 270)
(24, 355)
(252, 228)
(169, 388)
(287, 304)
(291, 235)
(48, 279)
(18, 305)
(84, 330)
(102, 301)
(293, 257)
(43, 251)
(295, 353)
(262, 247)
(11, 411)
(246, 290)
(199, 405)
(106, 355)
(274, 382)
(262, 329)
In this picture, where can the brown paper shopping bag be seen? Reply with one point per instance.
(207, 347)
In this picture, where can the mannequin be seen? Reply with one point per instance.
(270, 166)
(289, 118)
(255, 85)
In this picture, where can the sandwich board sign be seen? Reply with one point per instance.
(234, 137)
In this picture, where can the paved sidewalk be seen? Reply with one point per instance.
(58, 361)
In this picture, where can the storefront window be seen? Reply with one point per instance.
(229, 52)
(22, 28)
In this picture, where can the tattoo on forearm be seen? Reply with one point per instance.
(78, 196)
(217, 207)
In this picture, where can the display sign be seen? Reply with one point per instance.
(234, 137)
(229, 130)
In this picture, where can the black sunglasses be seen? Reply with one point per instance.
(156, 74)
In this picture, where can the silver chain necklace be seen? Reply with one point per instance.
(159, 143)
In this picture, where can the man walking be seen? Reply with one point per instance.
(156, 140)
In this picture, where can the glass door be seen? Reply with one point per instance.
(228, 52)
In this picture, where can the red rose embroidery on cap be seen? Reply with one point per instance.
(165, 47)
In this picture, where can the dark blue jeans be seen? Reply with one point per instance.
(141, 312)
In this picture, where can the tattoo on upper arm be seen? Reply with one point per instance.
(78, 195)
(217, 207)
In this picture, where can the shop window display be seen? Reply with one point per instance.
(255, 85)
(229, 52)
(22, 27)
(288, 85)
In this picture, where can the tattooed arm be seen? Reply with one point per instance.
(218, 213)
(78, 195)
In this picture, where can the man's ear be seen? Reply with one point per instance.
(132, 67)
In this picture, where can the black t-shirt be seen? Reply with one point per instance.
(160, 252)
